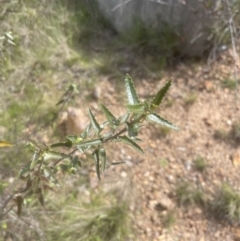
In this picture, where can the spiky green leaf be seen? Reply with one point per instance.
(76, 162)
(49, 174)
(97, 163)
(137, 108)
(62, 144)
(131, 91)
(161, 93)
(161, 121)
(133, 130)
(94, 123)
(131, 143)
(89, 143)
(110, 117)
(52, 155)
(24, 172)
(123, 119)
(35, 159)
(103, 158)
(86, 132)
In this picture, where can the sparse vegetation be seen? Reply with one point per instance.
(190, 99)
(169, 219)
(200, 164)
(236, 131)
(163, 131)
(229, 83)
(227, 204)
(44, 47)
(186, 194)
(163, 162)
(221, 134)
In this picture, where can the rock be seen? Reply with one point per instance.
(165, 203)
(73, 121)
(237, 234)
(208, 85)
(96, 94)
(235, 158)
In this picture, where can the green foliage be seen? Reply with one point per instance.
(190, 99)
(186, 194)
(229, 83)
(95, 221)
(151, 40)
(169, 219)
(131, 91)
(40, 173)
(227, 204)
(200, 164)
(163, 162)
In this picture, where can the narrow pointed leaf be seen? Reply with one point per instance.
(131, 143)
(9, 35)
(117, 163)
(123, 119)
(24, 172)
(94, 123)
(161, 93)
(11, 42)
(40, 196)
(137, 108)
(86, 132)
(131, 91)
(52, 155)
(48, 173)
(89, 143)
(5, 144)
(105, 123)
(62, 144)
(35, 159)
(110, 117)
(161, 121)
(97, 163)
(103, 159)
(76, 162)
(19, 200)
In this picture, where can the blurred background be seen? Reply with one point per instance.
(186, 186)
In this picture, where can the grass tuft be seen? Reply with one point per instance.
(186, 194)
(200, 164)
(229, 83)
(169, 219)
(227, 204)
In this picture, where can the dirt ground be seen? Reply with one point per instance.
(209, 116)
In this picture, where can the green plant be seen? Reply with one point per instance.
(169, 219)
(163, 162)
(190, 99)
(220, 134)
(227, 204)
(186, 194)
(164, 131)
(236, 131)
(40, 173)
(200, 164)
(229, 83)
(95, 221)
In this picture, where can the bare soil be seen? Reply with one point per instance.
(207, 114)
